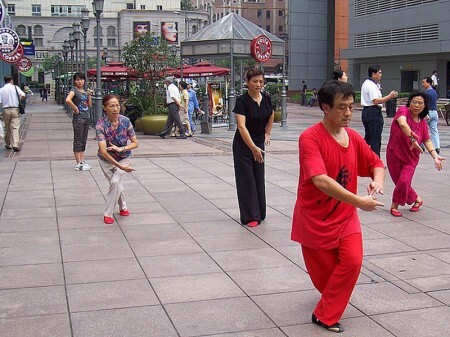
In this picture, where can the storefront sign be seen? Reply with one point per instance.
(14, 56)
(24, 64)
(261, 48)
(9, 40)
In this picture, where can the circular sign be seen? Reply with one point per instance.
(261, 48)
(2, 12)
(14, 56)
(9, 40)
(24, 64)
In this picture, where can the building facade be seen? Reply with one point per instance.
(49, 23)
(408, 39)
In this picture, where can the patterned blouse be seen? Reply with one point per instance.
(114, 136)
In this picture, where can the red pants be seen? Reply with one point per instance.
(334, 273)
(402, 174)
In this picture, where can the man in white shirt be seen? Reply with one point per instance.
(173, 102)
(9, 98)
(435, 83)
(372, 101)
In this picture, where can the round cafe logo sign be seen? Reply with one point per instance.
(261, 48)
(9, 40)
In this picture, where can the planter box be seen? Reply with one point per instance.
(152, 124)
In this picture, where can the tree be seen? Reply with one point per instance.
(186, 5)
(150, 56)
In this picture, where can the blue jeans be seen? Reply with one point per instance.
(191, 121)
(433, 128)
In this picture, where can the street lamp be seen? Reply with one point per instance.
(186, 23)
(65, 50)
(97, 6)
(85, 21)
(71, 45)
(77, 38)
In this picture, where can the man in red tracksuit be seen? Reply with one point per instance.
(325, 220)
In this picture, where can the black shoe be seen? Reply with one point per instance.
(16, 149)
(336, 327)
(181, 137)
(438, 151)
(8, 147)
(162, 135)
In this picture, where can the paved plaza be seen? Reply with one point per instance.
(181, 264)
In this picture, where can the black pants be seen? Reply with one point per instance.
(250, 184)
(373, 126)
(173, 117)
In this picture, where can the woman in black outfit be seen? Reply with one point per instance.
(254, 118)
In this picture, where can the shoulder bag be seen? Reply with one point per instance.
(21, 106)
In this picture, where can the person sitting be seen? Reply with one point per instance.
(313, 100)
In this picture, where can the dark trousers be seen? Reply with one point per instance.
(172, 118)
(80, 133)
(250, 184)
(373, 126)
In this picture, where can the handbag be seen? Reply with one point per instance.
(21, 106)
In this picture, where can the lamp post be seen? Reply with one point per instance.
(65, 51)
(71, 46)
(85, 21)
(97, 6)
(77, 38)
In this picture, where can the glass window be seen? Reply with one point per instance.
(111, 42)
(143, 7)
(111, 31)
(11, 9)
(95, 42)
(259, 13)
(100, 31)
(21, 30)
(280, 28)
(38, 42)
(280, 12)
(37, 30)
(268, 28)
(268, 14)
(130, 5)
(159, 7)
(36, 10)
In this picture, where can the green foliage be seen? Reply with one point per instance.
(146, 105)
(50, 62)
(186, 5)
(274, 90)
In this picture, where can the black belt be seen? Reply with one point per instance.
(171, 103)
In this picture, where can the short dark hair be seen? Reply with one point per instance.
(428, 79)
(332, 89)
(337, 74)
(418, 93)
(252, 72)
(108, 97)
(80, 76)
(183, 84)
(8, 78)
(374, 68)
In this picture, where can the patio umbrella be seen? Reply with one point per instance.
(202, 69)
(114, 71)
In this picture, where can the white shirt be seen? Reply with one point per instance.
(369, 92)
(8, 95)
(434, 79)
(171, 93)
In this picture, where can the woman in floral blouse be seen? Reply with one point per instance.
(113, 132)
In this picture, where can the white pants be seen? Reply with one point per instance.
(115, 193)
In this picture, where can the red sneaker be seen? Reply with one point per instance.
(252, 224)
(108, 220)
(124, 212)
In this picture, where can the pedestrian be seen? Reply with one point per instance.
(435, 80)
(113, 132)
(432, 118)
(325, 220)
(408, 130)
(339, 75)
(80, 101)
(304, 88)
(184, 108)
(254, 118)
(44, 94)
(173, 102)
(193, 104)
(9, 98)
(372, 101)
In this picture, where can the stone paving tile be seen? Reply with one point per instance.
(177, 265)
(110, 295)
(167, 247)
(441, 295)
(81, 221)
(138, 219)
(228, 226)
(96, 251)
(137, 322)
(425, 242)
(32, 301)
(154, 232)
(374, 299)
(102, 270)
(278, 238)
(187, 288)
(386, 246)
(217, 316)
(217, 243)
(271, 280)
(432, 283)
(38, 275)
(27, 239)
(90, 235)
(28, 213)
(37, 326)
(29, 255)
(427, 322)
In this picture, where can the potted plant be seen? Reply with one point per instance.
(274, 91)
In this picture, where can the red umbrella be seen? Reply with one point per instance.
(202, 69)
(113, 71)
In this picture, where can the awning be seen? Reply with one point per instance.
(202, 69)
(114, 71)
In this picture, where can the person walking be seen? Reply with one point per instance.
(435, 83)
(325, 220)
(254, 118)
(432, 118)
(408, 130)
(193, 104)
(113, 132)
(372, 101)
(173, 102)
(80, 101)
(9, 98)
(44, 94)
(304, 89)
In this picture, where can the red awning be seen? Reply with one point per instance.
(113, 71)
(203, 69)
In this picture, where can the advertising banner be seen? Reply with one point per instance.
(14, 56)
(140, 28)
(169, 31)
